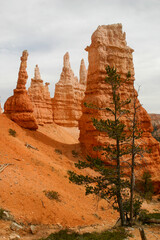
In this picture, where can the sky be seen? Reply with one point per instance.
(50, 28)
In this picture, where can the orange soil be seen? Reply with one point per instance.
(32, 172)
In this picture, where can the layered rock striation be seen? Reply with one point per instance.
(40, 97)
(109, 47)
(68, 95)
(19, 107)
(155, 120)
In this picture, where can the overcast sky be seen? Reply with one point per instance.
(50, 28)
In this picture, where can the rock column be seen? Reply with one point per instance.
(109, 47)
(68, 96)
(19, 107)
(41, 100)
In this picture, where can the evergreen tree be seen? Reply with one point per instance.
(112, 180)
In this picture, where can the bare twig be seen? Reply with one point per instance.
(3, 166)
(30, 146)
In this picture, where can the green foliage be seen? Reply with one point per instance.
(155, 132)
(74, 153)
(137, 203)
(1, 213)
(58, 151)
(145, 216)
(12, 132)
(157, 138)
(52, 195)
(110, 182)
(116, 234)
(147, 185)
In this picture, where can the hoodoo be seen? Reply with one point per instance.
(41, 100)
(19, 106)
(1, 109)
(109, 47)
(83, 74)
(68, 95)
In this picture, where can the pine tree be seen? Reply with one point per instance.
(112, 182)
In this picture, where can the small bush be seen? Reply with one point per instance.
(12, 132)
(58, 151)
(74, 153)
(147, 185)
(52, 195)
(1, 213)
(117, 234)
(145, 216)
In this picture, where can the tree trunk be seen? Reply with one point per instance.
(133, 160)
(119, 197)
(143, 236)
(120, 205)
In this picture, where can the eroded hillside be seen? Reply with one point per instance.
(32, 172)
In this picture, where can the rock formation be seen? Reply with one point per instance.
(109, 47)
(19, 107)
(41, 100)
(68, 95)
(155, 120)
(1, 111)
(83, 74)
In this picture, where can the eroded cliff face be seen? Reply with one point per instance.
(109, 47)
(41, 100)
(68, 95)
(19, 107)
(155, 120)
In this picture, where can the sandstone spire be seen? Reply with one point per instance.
(41, 100)
(68, 96)
(19, 107)
(22, 76)
(37, 75)
(67, 75)
(83, 73)
(66, 63)
(109, 47)
(1, 111)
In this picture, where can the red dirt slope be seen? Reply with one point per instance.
(33, 171)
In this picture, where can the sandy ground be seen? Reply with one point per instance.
(31, 172)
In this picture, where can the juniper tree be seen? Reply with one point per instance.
(112, 180)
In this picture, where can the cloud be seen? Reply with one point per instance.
(49, 28)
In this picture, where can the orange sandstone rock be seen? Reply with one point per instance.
(155, 120)
(109, 47)
(68, 95)
(19, 107)
(83, 74)
(41, 100)
(1, 111)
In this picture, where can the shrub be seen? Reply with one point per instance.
(74, 153)
(52, 195)
(1, 213)
(58, 151)
(147, 185)
(137, 203)
(12, 132)
(116, 234)
(145, 216)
